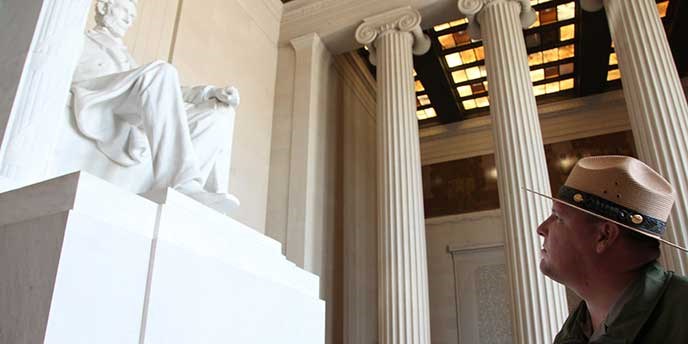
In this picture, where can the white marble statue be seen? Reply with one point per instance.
(141, 114)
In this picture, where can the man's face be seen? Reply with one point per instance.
(119, 17)
(568, 244)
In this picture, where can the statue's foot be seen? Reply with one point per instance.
(222, 202)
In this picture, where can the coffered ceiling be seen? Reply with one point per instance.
(570, 54)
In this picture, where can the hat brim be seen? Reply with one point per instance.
(658, 238)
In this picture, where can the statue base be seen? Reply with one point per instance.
(83, 261)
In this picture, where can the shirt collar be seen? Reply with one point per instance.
(628, 315)
(626, 295)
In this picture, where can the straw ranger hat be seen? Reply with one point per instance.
(622, 190)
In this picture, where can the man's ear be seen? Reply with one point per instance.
(606, 236)
(102, 8)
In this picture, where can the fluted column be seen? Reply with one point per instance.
(392, 38)
(539, 304)
(656, 104)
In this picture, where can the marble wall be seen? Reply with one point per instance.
(234, 42)
(304, 203)
(359, 220)
(339, 190)
(280, 153)
(325, 197)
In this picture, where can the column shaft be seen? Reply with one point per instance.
(403, 304)
(539, 304)
(403, 275)
(656, 105)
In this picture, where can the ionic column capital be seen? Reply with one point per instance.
(472, 8)
(405, 19)
(592, 5)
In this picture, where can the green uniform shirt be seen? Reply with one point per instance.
(655, 311)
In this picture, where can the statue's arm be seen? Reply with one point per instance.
(201, 94)
(198, 94)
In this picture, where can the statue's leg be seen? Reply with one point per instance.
(164, 121)
(211, 127)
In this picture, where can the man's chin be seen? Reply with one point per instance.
(545, 268)
(548, 271)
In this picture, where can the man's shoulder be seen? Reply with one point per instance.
(679, 279)
(678, 284)
(663, 324)
(673, 297)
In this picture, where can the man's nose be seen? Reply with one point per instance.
(542, 228)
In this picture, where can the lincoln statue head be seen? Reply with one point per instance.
(116, 16)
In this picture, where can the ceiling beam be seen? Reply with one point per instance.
(431, 73)
(335, 21)
(592, 55)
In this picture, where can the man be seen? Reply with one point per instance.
(602, 241)
(126, 108)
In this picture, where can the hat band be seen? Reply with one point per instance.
(612, 211)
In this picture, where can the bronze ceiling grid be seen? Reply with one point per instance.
(581, 71)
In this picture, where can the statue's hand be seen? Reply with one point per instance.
(227, 95)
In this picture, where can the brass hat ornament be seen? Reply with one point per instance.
(622, 190)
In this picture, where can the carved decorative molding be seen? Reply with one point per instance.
(305, 11)
(473, 8)
(275, 7)
(336, 21)
(404, 19)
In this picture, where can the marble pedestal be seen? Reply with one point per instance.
(82, 261)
